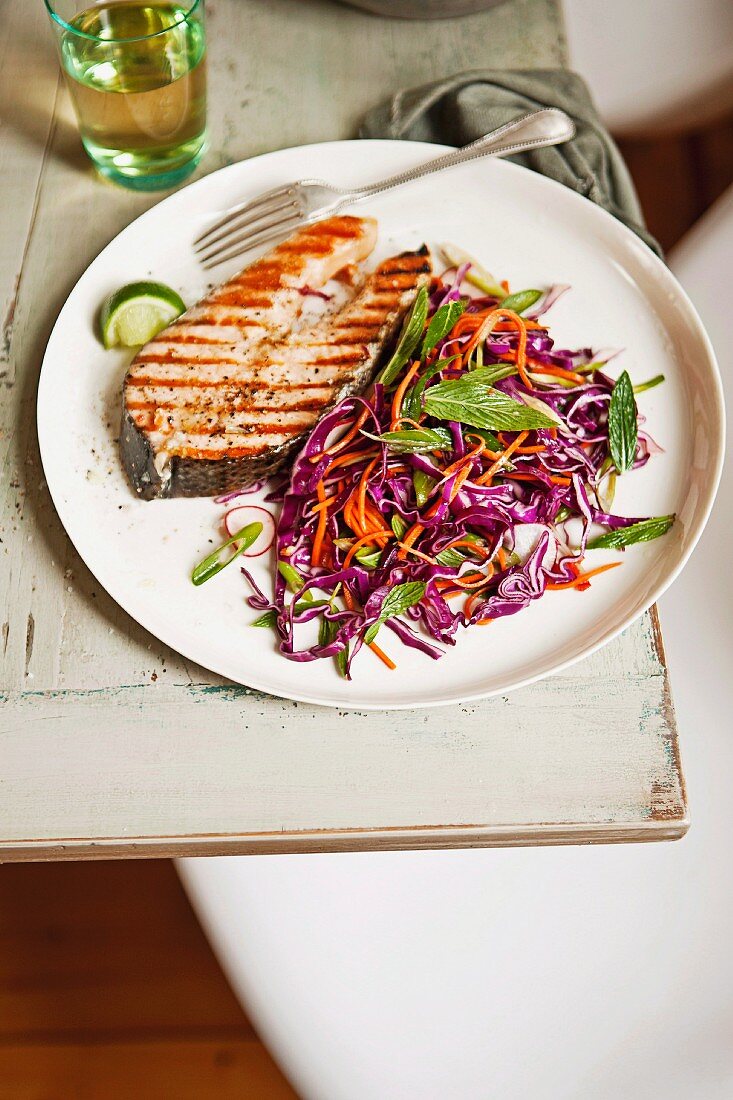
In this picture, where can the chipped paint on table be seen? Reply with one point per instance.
(112, 745)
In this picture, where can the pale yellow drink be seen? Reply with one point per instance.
(137, 77)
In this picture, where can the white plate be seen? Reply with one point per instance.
(526, 229)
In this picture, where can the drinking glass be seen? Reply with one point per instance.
(136, 71)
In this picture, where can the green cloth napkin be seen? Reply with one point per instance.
(460, 108)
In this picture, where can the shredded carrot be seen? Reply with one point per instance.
(487, 327)
(352, 520)
(396, 424)
(417, 553)
(382, 656)
(374, 516)
(371, 537)
(501, 555)
(480, 550)
(361, 495)
(468, 322)
(488, 474)
(322, 504)
(411, 536)
(321, 528)
(461, 476)
(400, 393)
(470, 580)
(517, 475)
(351, 434)
(469, 604)
(504, 327)
(349, 459)
(349, 601)
(556, 372)
(582, 579)
(478, 450)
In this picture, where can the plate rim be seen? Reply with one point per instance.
(364, 704)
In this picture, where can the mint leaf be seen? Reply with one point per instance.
(397, 600)
(451, 557)
(643, 531)
(622, 424)
(471, 403)
(415, 441)
(494, 372)
(412, 330)
(412, 405)
(441, 324)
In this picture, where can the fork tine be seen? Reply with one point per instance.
(245, 219)
(248, 241)
(259, 225)
(242, 208)
(240, 240)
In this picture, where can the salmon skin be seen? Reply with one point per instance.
(205, 426)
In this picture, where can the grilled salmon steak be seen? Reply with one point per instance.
(199, 420)
(200, 348)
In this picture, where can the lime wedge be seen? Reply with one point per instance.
(137, 312)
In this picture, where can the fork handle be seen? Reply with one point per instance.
(533, 131)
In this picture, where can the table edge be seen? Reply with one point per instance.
(348, 840)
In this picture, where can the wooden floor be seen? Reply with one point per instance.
(679, 177)
(108, 989)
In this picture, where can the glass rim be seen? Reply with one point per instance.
(133, 38)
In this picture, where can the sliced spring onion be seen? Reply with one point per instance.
(655, 381)
(477, 275)
(520, 301)
(293, 580)
(213, 563)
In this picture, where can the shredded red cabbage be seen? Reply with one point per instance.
(476, 529)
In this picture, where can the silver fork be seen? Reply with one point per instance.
(280, 211)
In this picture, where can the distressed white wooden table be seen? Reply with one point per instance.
(110, 745)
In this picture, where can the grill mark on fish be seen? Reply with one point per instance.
(219, 419)
(171, 358)
(203, 341)
(198, 454)
(203, 426)
(220, 384)
(305, 405)
(212, 319)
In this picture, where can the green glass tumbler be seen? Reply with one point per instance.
(136, 72)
